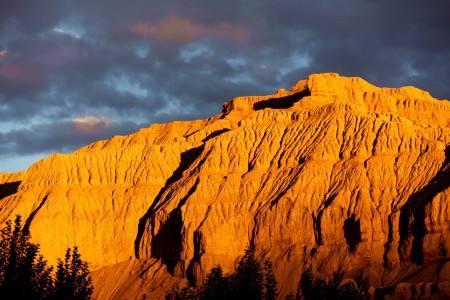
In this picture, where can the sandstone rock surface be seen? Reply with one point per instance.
(335, 173)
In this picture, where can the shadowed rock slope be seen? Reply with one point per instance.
(335, 173)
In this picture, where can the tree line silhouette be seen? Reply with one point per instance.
(254, 280)
(251, 280)
(25, 274)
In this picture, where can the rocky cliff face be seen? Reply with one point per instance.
(335, 173)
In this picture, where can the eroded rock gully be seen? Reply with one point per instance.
(335, 173)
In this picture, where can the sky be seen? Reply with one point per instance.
(72, 72)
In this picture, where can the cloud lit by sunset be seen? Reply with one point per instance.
(178, 60)
(88, 124)
(177, 28)
(3, 53)
(62, 31)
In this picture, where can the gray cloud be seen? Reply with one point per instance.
(130, 64)
(60, 136)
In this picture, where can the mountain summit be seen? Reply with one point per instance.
(333, 174)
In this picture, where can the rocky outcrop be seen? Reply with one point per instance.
(335, 173)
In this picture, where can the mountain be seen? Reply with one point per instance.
(335, 174)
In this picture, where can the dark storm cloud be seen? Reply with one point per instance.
(139, 62)
(61, 136)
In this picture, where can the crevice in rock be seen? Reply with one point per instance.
(215, 134)
(282, 102)
(27, 223)
(8, 189)
(388, 244)
(291, 183)
(186, 160)
(412, 214)
(167, 243)
(198, 251)
(317, 220)
(352, 233)
(283, 193)
(211, 135)
(443, 250)
(382, 292)
(441, 266)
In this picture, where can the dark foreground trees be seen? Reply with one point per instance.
(311, 288)
(251, 280)
(24, 273)
(72, 277)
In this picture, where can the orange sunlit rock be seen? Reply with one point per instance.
(335, 173)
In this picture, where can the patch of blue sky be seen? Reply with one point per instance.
(295, 62)
(19, 163)
(175, 106)
(243, 78)
(236, 62)
(123, 83)
(141, 50)
(74, 30)
(191, 51)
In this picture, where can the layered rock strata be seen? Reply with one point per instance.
(335, 174)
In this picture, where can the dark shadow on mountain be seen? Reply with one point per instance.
(186, 160)
(388, 244)
(167, 243)
(412, 214)
(210, 136)
(8, 189)
(215, 134)
(318, 220)
(196, 258)
(34, 212)
(352, 233)
(282, 102)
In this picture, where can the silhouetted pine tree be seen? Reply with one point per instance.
(186, 293)
(5, 239)
(216, 286)
(42, 279)
(320, 289)
(306, 285)
(270, 283)
(250, 281)
(290, 296)
(247, 281)
(24, 273)
(72, 277)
